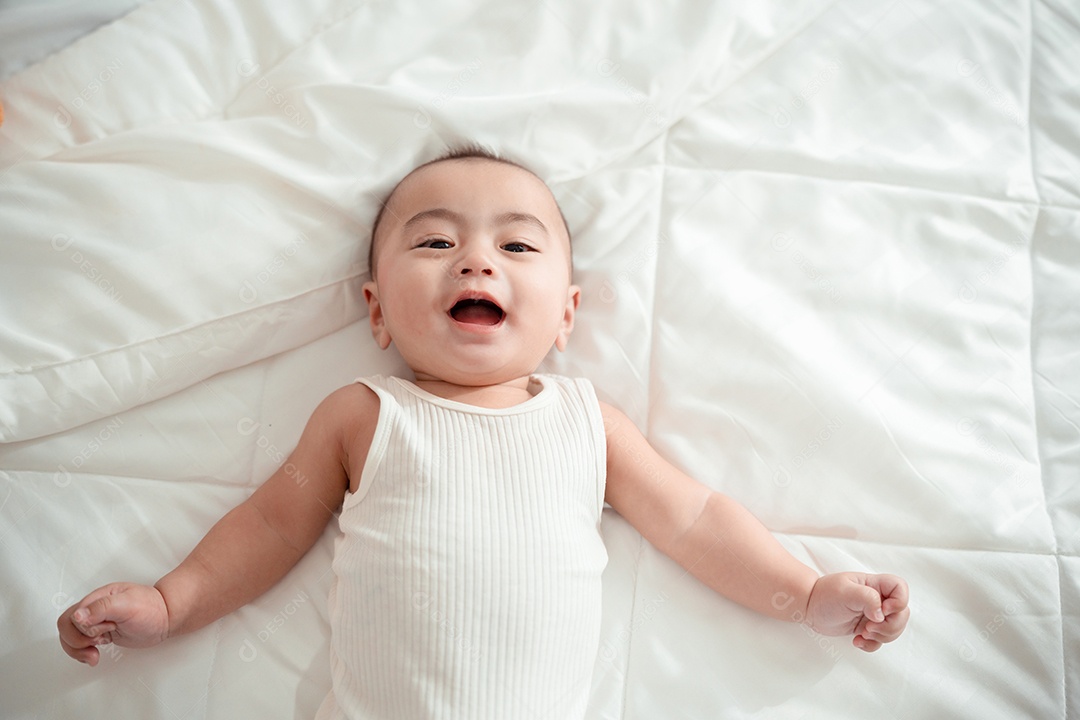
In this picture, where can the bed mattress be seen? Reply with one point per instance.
(829, 255)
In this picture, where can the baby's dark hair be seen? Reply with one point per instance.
(457, 152)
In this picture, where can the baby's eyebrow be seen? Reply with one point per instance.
(437, 213)
(509, 218)
(506, 218)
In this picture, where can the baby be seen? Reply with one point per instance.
(468, 565)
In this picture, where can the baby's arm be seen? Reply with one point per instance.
(246, 552)
(722, 544)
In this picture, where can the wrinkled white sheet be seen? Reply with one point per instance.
(33, 29)
(830, 259)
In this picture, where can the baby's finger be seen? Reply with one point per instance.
(878, 632)
(891, 607)
(863, 623)
(101, 592)
(865, 599)
(90, 656)
(97, 616)
(84, 617)
(79, 646)
(865, 644)
(893, 589)
(105, 603)
(889, 630)
(96, 630)
(894, 625)
(70, 635)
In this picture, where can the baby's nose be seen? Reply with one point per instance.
(476, 260)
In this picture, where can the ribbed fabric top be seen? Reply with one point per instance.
(467, 571)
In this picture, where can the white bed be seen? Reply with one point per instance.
(830, 261)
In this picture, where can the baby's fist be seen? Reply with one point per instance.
(127, 614)
(873, 608)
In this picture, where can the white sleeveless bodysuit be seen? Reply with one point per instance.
(467, 571)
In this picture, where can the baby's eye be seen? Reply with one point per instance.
(435, 243)
(516, 247)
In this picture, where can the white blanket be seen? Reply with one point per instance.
(830, 261)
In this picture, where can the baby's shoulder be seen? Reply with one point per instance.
(348, 405)
(350, 415)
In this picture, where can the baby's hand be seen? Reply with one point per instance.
(127, 614)
(872, 607)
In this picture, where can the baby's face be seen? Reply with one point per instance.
(472, 279)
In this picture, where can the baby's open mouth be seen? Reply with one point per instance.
(477, 311)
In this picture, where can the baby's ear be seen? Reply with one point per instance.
(573, 299)
(375, 315)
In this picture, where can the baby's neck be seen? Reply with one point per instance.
(501, 395)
